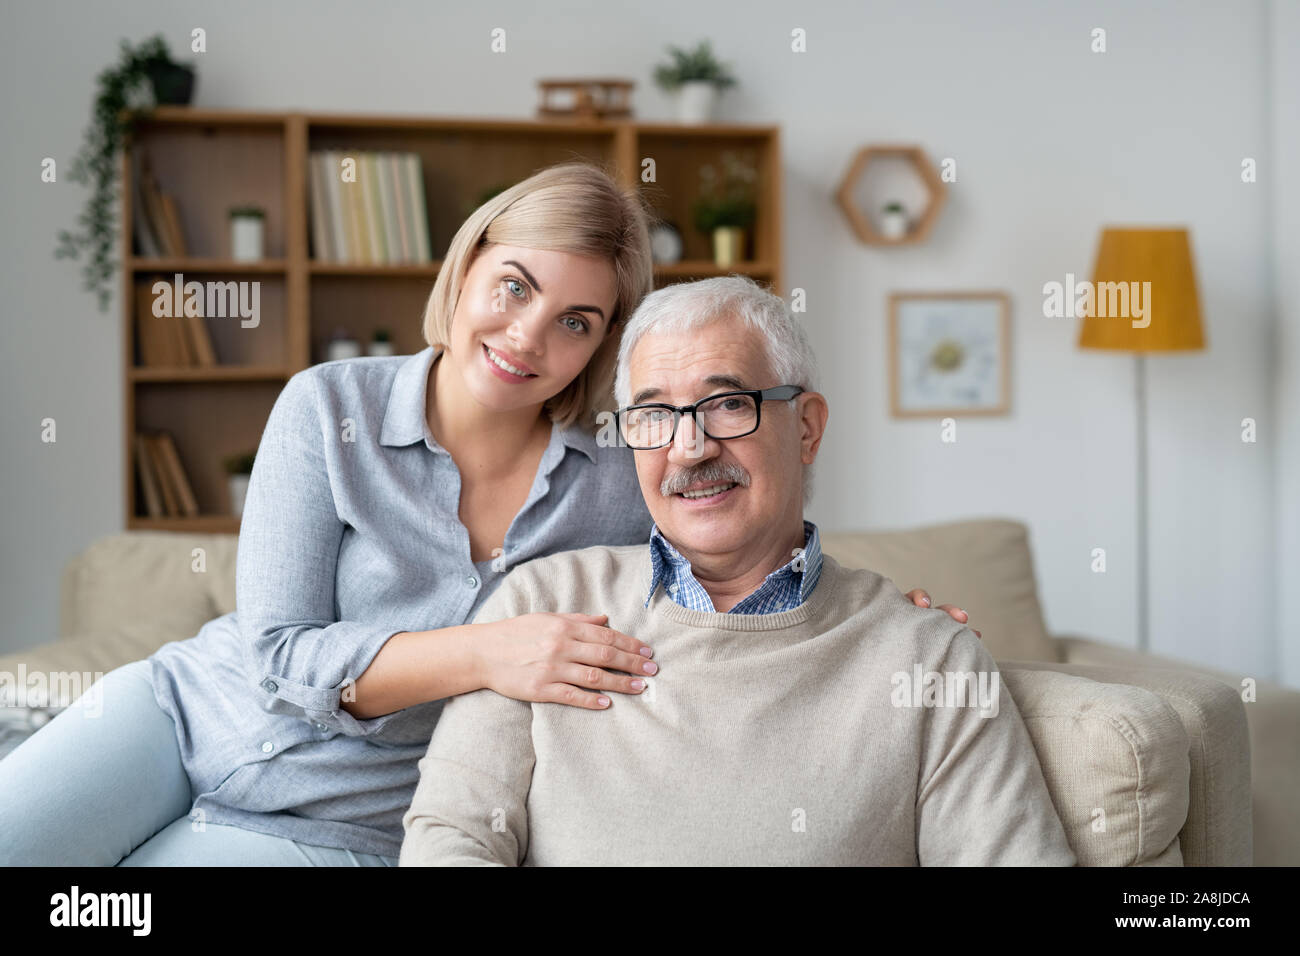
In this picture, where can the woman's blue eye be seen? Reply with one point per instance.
(579, 324)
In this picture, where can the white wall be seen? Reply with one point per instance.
(1052, 141)
(1284, 33)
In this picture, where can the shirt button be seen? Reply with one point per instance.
(672, 589)
(320, 726)
(270, 685)
(267, 746)
(471, 582)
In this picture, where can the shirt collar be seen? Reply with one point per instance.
(666, 561)
(405, 421)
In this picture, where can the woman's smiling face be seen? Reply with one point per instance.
(527, 322)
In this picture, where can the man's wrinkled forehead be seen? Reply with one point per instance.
(695, 360)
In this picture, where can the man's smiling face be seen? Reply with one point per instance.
(756, 480)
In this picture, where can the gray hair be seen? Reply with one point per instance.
(687, 306)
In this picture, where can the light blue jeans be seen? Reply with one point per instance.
(110, 790)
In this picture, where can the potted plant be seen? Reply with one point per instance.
(726, 207)
(341, 346)
(246, 233)
(697, 78)
(140, 71)
(894, 223)
(381, 344)
(238, 468)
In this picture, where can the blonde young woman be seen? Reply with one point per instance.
(388, 499)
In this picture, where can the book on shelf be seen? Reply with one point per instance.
(378, 219)
(166, 488)
(334, 203)
(149, 487)
(157, 216)
(369, 181)
(168, 341)
(322, 230)
(146, 234)
(393, 163)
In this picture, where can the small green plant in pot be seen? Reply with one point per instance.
(381, 343)
(697, 78)
(238, 469)
(247, 233)
(140, 71)
(727, 207)
(894, 223)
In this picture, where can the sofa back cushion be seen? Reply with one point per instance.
(982, 566)
(1115, 759)
(156, 586)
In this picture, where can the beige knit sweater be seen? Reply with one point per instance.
(829, 734)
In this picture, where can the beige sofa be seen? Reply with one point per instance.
(1148, 762)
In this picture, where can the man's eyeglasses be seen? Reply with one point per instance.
(721, 416)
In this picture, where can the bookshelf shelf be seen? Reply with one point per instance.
(196, 264)
(208, 160)
(419, 269)
(202, 524)
(702, 268)
(215, 373)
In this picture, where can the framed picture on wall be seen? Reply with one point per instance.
(949, 354)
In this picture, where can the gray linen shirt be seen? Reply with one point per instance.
(350, 534)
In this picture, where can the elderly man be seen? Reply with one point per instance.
(783, 727)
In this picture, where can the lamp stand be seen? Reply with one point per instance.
(1143, 636)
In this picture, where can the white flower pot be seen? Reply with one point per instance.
(894, 225)
(342, 349)
(379, 348)
(238, 491)
(246, 238)
(696, 100)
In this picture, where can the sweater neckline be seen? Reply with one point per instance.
(664, 605)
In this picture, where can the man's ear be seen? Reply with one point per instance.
(813, 412)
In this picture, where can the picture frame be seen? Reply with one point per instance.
(949, 353)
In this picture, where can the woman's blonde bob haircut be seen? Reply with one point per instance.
(576, 208)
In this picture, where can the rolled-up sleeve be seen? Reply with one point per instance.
(303, 660)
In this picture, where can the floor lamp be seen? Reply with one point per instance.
(1127, 260)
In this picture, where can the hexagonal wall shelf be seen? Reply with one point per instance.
(862, 224)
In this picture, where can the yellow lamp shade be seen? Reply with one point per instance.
(1143, 292)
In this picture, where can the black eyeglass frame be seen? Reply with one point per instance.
(759, 395)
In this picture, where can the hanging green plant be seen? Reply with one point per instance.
(141, 71)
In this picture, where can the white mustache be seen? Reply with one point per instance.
(712, 472)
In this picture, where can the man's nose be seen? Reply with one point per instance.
(690, 444)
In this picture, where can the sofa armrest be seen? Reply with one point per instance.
(1217, 831)
(1273, 721)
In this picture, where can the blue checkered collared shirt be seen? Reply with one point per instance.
(783, 590)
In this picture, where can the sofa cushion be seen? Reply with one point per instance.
(52, 675)
(150, 585)
(1218, 831)
(983, 566)
(1115, 758)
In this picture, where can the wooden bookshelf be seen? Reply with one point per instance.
(210, 160)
